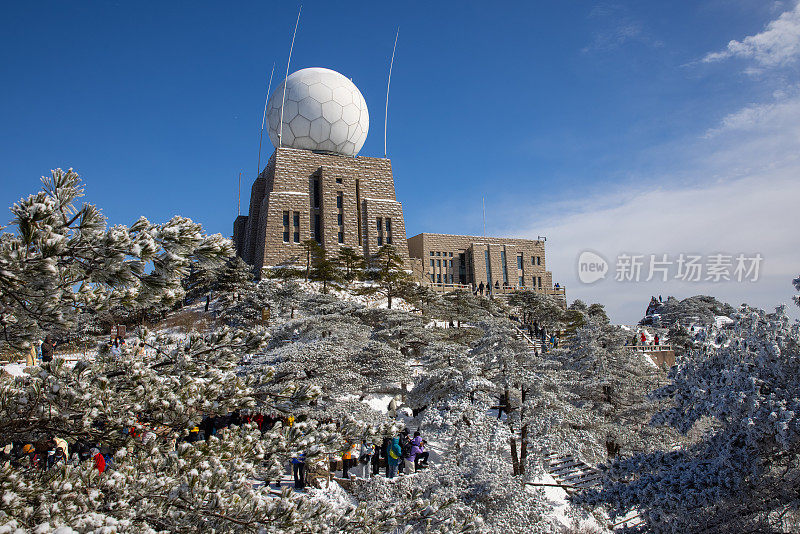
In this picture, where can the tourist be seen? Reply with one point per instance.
(299, 471)
(365, 458)
(376, 459)
(99, 460)
(116, 348)
(48, 349)
(480, 288)
(656, 340)
(643, 339)
(384, 453)
(393, 454)
(348, 459)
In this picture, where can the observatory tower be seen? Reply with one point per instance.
(315, 186)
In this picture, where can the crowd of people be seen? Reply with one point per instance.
(640, 339)
(46, 454)
(399, 455)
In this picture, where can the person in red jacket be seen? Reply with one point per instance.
(644, 339)
(656, 340)
(99, 461)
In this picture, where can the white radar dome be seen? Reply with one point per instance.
(323, 111)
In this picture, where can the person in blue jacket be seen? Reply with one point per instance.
(393, 457)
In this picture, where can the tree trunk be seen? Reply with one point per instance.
(514, 458)
(523, 449)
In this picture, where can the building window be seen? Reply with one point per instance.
(296, 224)
(431, 263)
(505, 267)
(339, 199)
(521, 281)
(519, 262)
(462, 268)
(488, 267)
(341, 237)
(438, 253)
(439, 278)
(432, 278)
(317, 228)
(358, 210)
(339, 219)
(451, 254)
(451, 278)
(380, 231)
(338, 180)
(540, 281)
(431, 253)
(451, 264)
(439, 263)
(538, 260)
(389, 230)
(285, 226)
(316, 192)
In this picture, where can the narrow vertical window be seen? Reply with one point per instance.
(380, 231)
(317, 228)
(296, 223)
(505, 267)
(519, 262)
(388, 230)
(316, 193)
(285, 226)
(488, 266)
(521, 281)
(358, 210)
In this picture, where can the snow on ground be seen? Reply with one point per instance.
(560, 512)
(348, 294)
(14, 369)
(379, 403)
(721, 320)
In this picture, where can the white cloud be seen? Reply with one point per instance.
(743, 200)
(777, 45)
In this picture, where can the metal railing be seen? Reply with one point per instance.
(649, 348)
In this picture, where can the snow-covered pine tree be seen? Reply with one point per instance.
(62, 258)
(743, 474)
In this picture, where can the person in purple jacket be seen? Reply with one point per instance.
(421, 457)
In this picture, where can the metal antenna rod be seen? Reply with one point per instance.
(264, 118)
(388, 83)
(297, 22)
(484, 217)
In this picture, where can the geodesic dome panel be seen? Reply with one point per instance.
(323, 110)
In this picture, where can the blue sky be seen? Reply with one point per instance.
(560, 114)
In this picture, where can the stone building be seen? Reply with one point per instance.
(339, 201)
(505, 264)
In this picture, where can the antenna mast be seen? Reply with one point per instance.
(388, 83)
(263, 120)
(297, 22)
